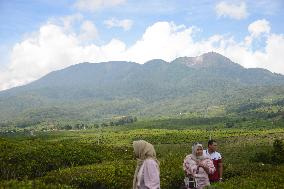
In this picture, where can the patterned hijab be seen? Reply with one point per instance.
(143, 150)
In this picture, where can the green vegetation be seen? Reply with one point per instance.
(102, 157)
(74, 128)
(272, 156)
(96, 93)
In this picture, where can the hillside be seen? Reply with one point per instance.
(95, 92)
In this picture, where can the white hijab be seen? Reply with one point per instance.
(194, 148)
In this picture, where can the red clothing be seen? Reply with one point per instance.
(216, 158)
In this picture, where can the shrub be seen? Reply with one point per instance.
(111, 175)
(28, 184)
(278, 152)
(33, 159)
(271, 156)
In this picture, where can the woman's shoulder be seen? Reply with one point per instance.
(206, 157)
(188, 157)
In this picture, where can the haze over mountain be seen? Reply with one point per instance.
(93, 92)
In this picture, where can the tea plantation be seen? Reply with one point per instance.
(102, 158)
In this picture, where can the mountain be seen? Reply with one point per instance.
(94, 92)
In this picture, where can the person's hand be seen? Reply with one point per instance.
(206, 169)
(190, 174)
(199, 164)
(187, 174)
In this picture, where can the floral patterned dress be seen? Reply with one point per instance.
(190, 166)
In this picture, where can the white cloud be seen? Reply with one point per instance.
(224, 9)
(68, 21)
(88, 31)
(53, 48)
(37, 55)
(258, 27)
(126, 24)
(274, 53)
(93, 5)
(270, 58)
(162, 40)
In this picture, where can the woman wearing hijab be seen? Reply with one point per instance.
(147, 173)
(198, 166)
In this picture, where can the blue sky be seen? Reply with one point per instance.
(40, 36)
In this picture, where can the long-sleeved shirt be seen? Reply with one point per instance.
(149, 175)
(191, 167)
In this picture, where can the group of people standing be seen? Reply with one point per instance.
(201, 167)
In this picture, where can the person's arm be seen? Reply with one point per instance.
(206, 169)
(208, 166)
(151, 174)
(187, 166)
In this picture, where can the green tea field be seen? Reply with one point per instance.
(103, 157)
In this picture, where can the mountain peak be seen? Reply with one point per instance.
(210, 59)
(214, 56)
(156, 61)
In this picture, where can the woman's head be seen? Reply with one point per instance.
(197, 150)
(143, 150)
